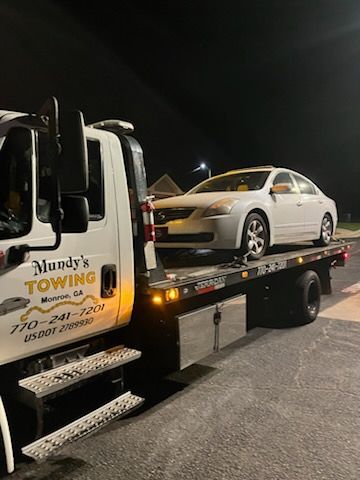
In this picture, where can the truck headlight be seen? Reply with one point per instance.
(220, 207)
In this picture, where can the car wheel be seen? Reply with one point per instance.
(307, 298)
(326, 231)
(255, 239)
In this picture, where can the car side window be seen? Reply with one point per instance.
(284, 177)
(305, 186)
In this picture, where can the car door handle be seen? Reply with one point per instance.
(299, 203)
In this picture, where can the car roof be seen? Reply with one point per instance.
(264, 168)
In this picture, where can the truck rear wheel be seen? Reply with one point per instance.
(307, 298)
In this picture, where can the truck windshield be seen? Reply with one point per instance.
(15, 184)
(233, 182)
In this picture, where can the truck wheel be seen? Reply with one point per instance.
(307, 298)
(255, 239)
(325, 232)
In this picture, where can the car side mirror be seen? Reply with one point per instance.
(280, 188)
(76, 214)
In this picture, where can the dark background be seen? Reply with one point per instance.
(230, 83)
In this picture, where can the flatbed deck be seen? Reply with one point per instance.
(199, 272)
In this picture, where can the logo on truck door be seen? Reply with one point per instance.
(12, 304)
(73, 279)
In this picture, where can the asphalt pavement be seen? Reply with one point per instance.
(280, 404)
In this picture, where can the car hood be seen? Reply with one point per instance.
(203, 200)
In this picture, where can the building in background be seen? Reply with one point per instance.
(164, 187)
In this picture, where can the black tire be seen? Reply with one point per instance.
(306, 298)
(326, 231)
(248, 248)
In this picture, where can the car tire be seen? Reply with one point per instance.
(255, 238)
(307, 298)
(326, 231)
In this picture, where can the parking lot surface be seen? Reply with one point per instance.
(278, 404)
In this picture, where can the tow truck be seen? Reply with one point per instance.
(80, 278)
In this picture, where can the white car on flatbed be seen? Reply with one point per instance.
(247, 210)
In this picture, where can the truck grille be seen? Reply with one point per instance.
(165, 215)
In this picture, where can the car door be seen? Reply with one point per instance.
(312, 204)
(287, 211)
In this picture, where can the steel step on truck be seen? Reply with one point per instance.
(83, 291)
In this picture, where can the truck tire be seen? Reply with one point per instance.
(306, 298)
(255, 239)
(326, 231)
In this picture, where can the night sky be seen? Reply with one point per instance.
(231, 83)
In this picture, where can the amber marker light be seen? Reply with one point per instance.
(245, 274)
(157, 299)
(300, 260)
(172, 294)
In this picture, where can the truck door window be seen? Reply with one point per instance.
(95, 193)
(15, 184)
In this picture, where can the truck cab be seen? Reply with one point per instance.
(77, 290)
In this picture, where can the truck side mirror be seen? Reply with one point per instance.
(76, 214)
(73, 161)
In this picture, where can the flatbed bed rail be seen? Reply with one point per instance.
(186, 282)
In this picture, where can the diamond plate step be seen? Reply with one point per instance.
(48, 445)
(51, 381)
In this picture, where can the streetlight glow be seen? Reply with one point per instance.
(203, 166)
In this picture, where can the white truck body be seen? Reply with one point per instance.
(58, 299)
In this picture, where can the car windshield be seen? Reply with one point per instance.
(234, 182)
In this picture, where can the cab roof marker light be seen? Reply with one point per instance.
(119, 126)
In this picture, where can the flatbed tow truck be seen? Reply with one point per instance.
(69, 304)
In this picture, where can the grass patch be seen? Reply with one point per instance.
(349, 226)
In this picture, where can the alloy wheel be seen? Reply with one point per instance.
(255, 237)
(326, 229)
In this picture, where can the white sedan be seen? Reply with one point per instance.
(248, 210)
